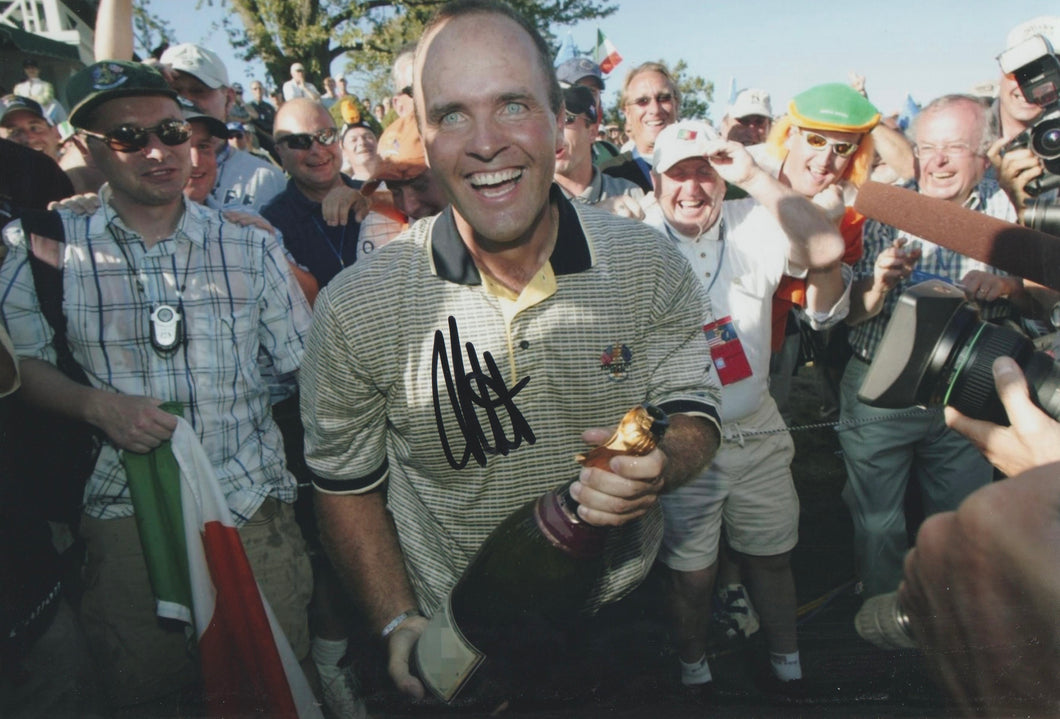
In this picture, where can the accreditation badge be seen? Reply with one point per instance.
(726, 351)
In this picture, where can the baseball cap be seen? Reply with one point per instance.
(298, 66)
(680, 141)
(577, 68)
(579, 100)
(191, 112)
(750, 101)
(102, 81)
(401, 151)
(198, 61)
(238, 88)
(835, 107)
(236, 127)
(1047, 26)
(16, 103)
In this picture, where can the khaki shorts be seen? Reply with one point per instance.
(748, 488)
(140, 657)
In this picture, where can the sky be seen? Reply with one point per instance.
(923, 48)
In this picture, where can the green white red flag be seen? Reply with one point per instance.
(201, 576)
(605, 55)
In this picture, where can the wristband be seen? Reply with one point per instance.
(397, 622)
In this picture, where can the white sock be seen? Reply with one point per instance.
(787, 667)
(695, 673)
(328, 652)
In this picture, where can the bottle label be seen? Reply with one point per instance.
(445, 658)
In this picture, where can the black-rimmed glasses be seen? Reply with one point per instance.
(132, 138)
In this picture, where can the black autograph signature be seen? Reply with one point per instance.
(473, 390)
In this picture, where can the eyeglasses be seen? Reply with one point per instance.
(663, 98)
(130, 138)
(304, 140)
(820, 143)
(953, 149)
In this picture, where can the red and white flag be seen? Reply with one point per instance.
(606, 55)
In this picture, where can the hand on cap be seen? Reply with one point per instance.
(167, 70)
(731, 161)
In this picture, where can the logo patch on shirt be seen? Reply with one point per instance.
(616, 360)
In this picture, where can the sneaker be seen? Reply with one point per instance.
(733, 611)
(343, 696)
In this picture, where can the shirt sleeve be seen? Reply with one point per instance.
(30, 333)
(343, 407)
(285, 315)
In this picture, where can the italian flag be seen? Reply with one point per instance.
(201, 576)
(606, 56)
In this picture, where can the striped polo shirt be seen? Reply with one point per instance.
(471, 403)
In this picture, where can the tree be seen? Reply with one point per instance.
(149, 30)
(316, 32)
(696, 93)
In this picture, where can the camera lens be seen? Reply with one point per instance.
(937, 350)
(1043, 216)
(1045, 139)
(970, 386)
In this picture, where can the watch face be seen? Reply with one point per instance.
(164, 314)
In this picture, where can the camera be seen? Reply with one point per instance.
(1037, 70)
(936, 350)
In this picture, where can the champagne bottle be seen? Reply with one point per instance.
(541, 563)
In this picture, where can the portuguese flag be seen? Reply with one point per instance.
(200, 575)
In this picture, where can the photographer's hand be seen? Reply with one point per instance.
(1015, 169)
(981, 592)
(1031, 441)
(987, 287)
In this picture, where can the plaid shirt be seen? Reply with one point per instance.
(938, 261)
(236, 294)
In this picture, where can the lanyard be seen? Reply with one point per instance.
(339, 252)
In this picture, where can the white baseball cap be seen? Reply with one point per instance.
(680, 141)
(1047, 25)
(198, 61)
(751, 101)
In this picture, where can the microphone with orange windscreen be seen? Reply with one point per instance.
(1013, 248)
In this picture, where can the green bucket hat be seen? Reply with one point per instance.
(102, 81)
(833, 106)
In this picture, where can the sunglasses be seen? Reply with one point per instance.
(130, 138)
(304, 140)
(820, 143)
(663, 98)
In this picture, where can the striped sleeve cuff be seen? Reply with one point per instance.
(355, 485)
